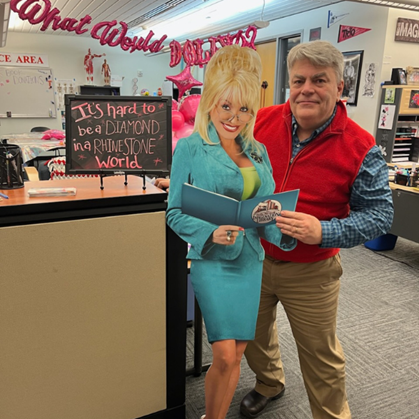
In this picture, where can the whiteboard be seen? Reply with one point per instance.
(26, 93)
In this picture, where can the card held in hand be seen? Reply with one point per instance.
(223, 210)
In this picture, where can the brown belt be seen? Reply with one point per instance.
(276, 260)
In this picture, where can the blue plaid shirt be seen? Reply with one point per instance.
(370, 198)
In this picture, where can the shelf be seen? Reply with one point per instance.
(99, 90)
(408, 118)
(401, 141)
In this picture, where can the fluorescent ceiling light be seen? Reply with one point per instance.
(4, 21)
(12, 20)
(190, 22)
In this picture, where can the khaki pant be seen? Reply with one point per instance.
(309, 294)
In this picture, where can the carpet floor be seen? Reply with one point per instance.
(378, 327)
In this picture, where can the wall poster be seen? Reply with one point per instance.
(390, 95)
(369, 80)
(351, 75)
(386, 117)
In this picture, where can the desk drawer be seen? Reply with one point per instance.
(406, 214)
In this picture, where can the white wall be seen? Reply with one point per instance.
(65, 58)
(371, 42)
(396, 53)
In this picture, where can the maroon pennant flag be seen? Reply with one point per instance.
(348, 32)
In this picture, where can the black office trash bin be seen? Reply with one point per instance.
(11, 166)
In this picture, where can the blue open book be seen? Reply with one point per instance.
(223, 210)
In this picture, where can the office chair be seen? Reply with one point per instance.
(39, 129)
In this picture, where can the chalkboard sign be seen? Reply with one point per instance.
(26, 93)
(114, 134)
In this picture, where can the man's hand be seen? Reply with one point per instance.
(304, 227)
(162, 183)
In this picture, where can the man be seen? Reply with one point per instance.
(344, 200)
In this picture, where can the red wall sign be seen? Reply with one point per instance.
(348, 32)
(32, 60)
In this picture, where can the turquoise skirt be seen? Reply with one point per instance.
(228, 294)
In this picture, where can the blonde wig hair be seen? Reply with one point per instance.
(234, 74)
(318, 53)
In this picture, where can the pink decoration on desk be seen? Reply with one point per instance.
(53, 134)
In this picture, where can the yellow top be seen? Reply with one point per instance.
(251, 182)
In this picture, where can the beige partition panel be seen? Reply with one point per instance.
(82, 318)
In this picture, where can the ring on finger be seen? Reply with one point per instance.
(228, 235)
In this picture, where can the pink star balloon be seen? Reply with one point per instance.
(184, 81)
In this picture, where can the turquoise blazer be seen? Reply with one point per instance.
(209, 167)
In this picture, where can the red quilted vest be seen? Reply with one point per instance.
(324, 170)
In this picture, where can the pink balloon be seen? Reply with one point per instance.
(177, 120)
(188, 108)
(175, 53)
(184, 81)
(189, 54)
(175, 105)
(185, 131)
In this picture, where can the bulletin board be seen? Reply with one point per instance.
(26, 93)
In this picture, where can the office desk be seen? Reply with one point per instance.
(92, 304)
(32, 145)
(406, 212)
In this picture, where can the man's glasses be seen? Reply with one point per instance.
(229, 116)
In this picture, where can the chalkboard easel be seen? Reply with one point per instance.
(118, 135)
(143, 175)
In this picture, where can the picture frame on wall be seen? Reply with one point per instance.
(351, 75)
(315, 34)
